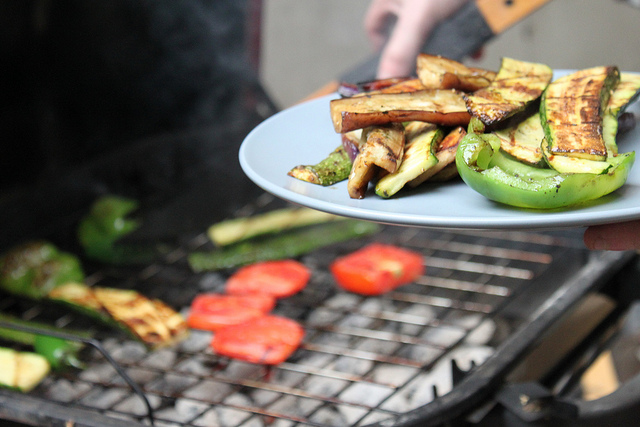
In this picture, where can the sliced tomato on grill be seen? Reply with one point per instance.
(280, 279)
(377, 269)
(268, 340)
(212, 311)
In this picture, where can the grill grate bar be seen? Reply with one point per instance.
(462, 285)
(480, 268)
(488, 251)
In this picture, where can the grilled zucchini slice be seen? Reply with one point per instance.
(627, 91)
(572, 110)
(446, 155)
(419, 156)
(523, 140)
(22, 370)
(517, 84)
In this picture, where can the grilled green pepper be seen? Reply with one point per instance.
(59, 353)
(498, 177)
(33, 269)
(107, 221)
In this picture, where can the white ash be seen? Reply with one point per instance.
(343, 301)
(372, 306)
(103, 398)
(420, 353)
(367, 394)
(163, 359)
(66, 391)
(128, 352)
(209, 391)
(355, 321)
(351, 414)
(196, 341)
(262, 397)
(378, 346)
(238, 370)
(135, 405)
(221, 416)
(315, 359)
(101, 373)
(334, 340)
(393, 375)
(138, 375)
(463, 319)
(329, 416)
(375, 417)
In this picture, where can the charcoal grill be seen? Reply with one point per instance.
(449, 349)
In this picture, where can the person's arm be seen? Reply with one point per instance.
(414, 22)
(614, 237)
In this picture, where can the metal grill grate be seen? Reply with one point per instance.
(363, 360)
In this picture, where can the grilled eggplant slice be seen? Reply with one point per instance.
(437, 72)
(444, 107)
(419, 156)
(517, 84)
(446, 155)
(572, 110)
(523, 140)
(384, 148)
(627, 91)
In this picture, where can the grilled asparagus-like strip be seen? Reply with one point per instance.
(517, 84)
(445, 107)
(437, 72)
(572, 108)
(334, 168)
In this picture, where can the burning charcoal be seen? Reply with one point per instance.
(443, 336)
(129, 352)
(138, 375)
(162, 359)
(393, 375)
(295, 406)
(209, 391)
(330, 417)
(482, 334)
(419, 353)
(66, 391)
(352, 365)
(322, 317)
(325, 387)
(171, 384)
(196, 341)
(263, 398)
(355, 321)
(343, 301)
(195, 366)
(101, 373)
(378, 346)
(238, 370)
(136, 406)
(212, 282)
(417, 393)
(351, 413)
(377, 417)
(183, 411)
(103, 398)
(365, 394)
(222, 416)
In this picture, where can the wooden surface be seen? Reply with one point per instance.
(501, 14)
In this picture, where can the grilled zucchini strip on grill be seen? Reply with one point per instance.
(150, 321)
(419, 155)
(517, 84)
(436, 72)
(572, 110)
(384, 148)
(627, 91)
(444, 107)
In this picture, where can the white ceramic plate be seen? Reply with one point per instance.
(304, 134)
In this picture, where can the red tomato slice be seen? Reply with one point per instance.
(279, 279)
(212, 311)
(268, 340)
(377, 268)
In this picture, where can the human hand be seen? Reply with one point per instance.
(415, 19)
(614, 237)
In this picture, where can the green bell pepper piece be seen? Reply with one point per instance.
(33, 269)
(487, 170)
(105, 223)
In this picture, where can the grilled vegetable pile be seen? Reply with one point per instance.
(516, 136)
(39, 271)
